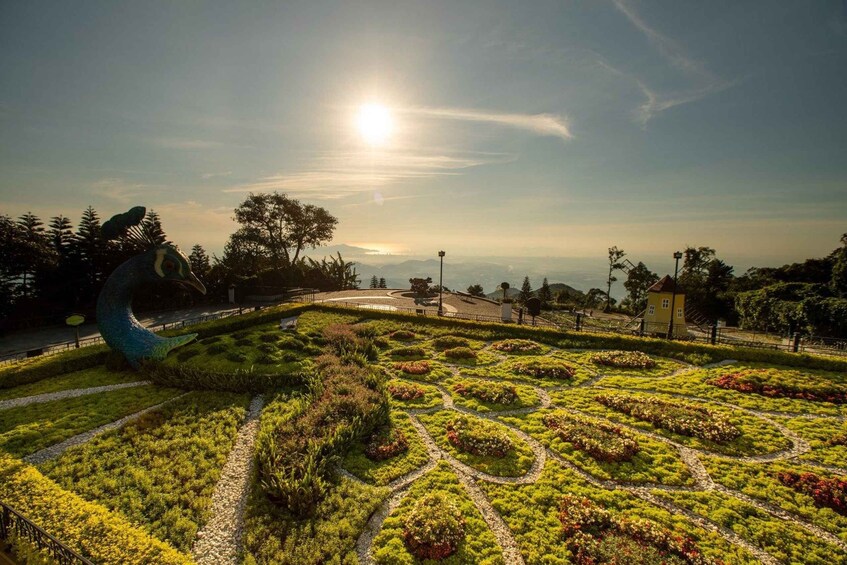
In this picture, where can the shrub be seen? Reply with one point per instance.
(210, 340)
(680, 418)
(215, 349)
(241, 334)
(402, 391)
(601, 440)
(342, 340)
(268, 359)
(434, 527)
(488, 391)
(187, 354)
(402, 335)
(520, 346)
(545, 368)
(237, 357)
(478, 437)
(411, 351)
(385, 443)
(460, 353)
(267, 348)
(623, 359)
(246, 342)
(413, 367)
(781, 383)
(196, 377)
(449, 342)
(828, 493)
(269, 338)
(44, 367)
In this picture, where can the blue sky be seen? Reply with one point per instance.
(520, 128)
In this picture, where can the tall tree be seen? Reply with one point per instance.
(638, 281)
(476, 290)
(37, 252)
(839, 269)
(200, 263)
(374, 282)
(545, 295)
(61, 234)
(90, 249)
(526, 291)
(282, 227)
(615, 256)
(12, 250)
(382, 283)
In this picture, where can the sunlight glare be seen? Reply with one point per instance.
(374, 123)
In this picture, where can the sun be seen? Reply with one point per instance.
(374, 124)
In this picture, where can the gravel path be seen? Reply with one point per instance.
(56, 450)
(219, 541)
(72, 393)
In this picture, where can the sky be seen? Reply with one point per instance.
(549, 129)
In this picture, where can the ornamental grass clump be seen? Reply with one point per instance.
(385, 443)
(545, 367)
(828, 493)
(343, 340)
(595, 536)
(517, 346)
(623, 359)
(679, 418)
(487, 391)
(603, 441)
(781, 383)
(460, 353)
(434, 527)
(403, 391)
(449, 342)
(478, 437)
(413, 367)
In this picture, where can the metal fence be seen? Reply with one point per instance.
(13, 523)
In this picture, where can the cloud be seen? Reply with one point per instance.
(540, 124)
(187, 144)
(207, 176)
(339, 175)
(118, 189)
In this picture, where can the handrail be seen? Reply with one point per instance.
(13, 522)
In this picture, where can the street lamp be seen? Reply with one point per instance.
(677, 256)
(441, 285)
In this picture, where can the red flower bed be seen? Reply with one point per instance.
(487, 391)
(434, 527)
(623, 359)
(405, 392)
(601, 440)
(385, 444)
(478, 437)
(413, 367)
(524, 346)
(773, 383)
(449, 342)
(829, 493)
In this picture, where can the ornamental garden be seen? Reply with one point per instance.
(371, 437)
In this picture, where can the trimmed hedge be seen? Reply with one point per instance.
(87, 528)
(42, 368)
(193, 377)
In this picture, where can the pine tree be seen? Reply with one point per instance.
(152, 227)
(526, 291)
(61, 234)
(89, 248)
(545, 295)
(36, 253)
(382, 282)
(374, 282)
(200, 264)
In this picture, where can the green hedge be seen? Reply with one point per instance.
(41, 368)
(235, 323)
(192, 377)
(87, 528)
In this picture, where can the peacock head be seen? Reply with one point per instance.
(169, 264)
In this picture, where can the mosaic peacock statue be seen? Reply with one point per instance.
(160, 262)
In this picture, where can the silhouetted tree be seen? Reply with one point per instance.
(200, 263)
(638, 281)
(838, 283)
(374, 282)
(545, 295)
(382, 282)
(526, 291)
(615, 256)
(476, 290)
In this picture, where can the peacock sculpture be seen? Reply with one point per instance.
(160, 262)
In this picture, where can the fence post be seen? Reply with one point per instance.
(578, 321)
(714, 336)
(795, 343)
(641, 328)
(670, 328)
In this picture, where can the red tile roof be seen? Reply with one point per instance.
(665, 284)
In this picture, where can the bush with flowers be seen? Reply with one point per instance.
(478, 437)
(545, 367)
(781, 383)
(410, 351)
(402, 335)
(487, 391)
(449, 342)
(602, 440)
(828, 493)
(434, 527)
(677, 417)
(403, 391)
(623, 359)
(517, 346)
(385, 443)
(413, 367)
(459, 353)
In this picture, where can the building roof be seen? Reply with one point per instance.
(665, 284)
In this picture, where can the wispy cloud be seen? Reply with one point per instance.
(339, 175)
(181, 143)
(540, 124)
(118, 189)
(207, 176)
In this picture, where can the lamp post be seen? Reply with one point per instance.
(677, 256)
(441, 285)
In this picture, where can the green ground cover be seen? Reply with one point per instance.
(757, 437)
(161, 469)
(524, 395)
(87, 378)
(655, 462)
(827, 438)
(662, 368)
(516, 462)
(422, 370)
(550, 371)
(479, 545)
(480, 358)
(519, 347)
(430, 397)
(381, 473)
(27, 429)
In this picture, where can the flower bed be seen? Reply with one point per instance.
(386, 443)
(449, 342)
(488, 391)
(828, 493)
(518, 346)
(623, 359)
(402, 335)
(595, 536)
(545, 368)
(413, 367)
(434, 527)
(601, 440)
(679, 418)
(460, 353)
(784, 384)
(402, 391)
(411, 351)
(478, 437)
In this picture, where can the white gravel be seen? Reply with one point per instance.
(72, 393)
(219, 541)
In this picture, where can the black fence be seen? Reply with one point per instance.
(13, 523)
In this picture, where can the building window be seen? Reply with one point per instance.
(680, 313)
(666, 302)
(651, 310)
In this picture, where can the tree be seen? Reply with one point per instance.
(374, 282)
(36, 253)
(200, 263)
(476, 290)
(505, 287)
(335, 274)
(545, 295)
(382, 283)
(595, 297)
(615, 256)
(12, 249)
(420, 286)
(838, 283)
(280, 227)
(89, 248)
(61, 235)
(638, 281)
(526, 291)
(151, 225)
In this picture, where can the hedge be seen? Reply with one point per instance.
(87, 528)
(41, 368)
(185, 376)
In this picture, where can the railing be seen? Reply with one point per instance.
(14, 523)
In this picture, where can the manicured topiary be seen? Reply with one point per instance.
(603, 441)
(478, 437)
(460, 353)
(386, 443)
(519, 346)
(488, 391)
(434, 527)
(623, 359)
(449, 342)
(413, 367)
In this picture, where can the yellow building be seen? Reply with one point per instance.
(660, 300)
